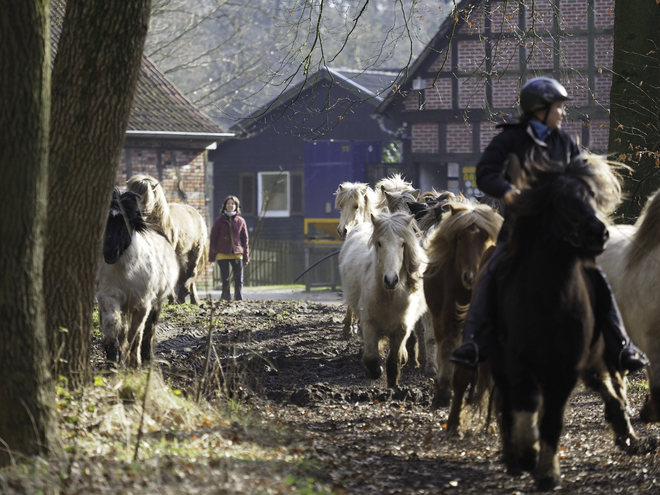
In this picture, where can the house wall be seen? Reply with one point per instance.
(472, 83)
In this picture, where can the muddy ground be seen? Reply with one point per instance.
(288, 360)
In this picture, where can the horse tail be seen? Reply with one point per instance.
(154, 203)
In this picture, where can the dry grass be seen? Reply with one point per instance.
(185, 446)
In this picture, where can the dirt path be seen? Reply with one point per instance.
(296, 369)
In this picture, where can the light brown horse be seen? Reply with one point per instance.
(454, 250)
(183, 226)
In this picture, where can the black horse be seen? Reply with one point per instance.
(546, 319)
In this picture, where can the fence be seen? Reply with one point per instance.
(277, 262)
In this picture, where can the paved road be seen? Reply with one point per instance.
(327, 296)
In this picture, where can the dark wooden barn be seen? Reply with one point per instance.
(289, 156)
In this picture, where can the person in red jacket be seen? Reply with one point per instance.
(230, 246)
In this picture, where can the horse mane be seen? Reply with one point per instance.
(127, 206)
(400, 223)
(359, 192)
(439, 245)
(398, 200)
(647, 235)
(393, 183)
(154, 204)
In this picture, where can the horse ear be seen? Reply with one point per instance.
(373, 218)
(382, 189)
(416, 194)
(341, 187)
(387, 194)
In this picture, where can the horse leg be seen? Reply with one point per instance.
(135, 335)
(194, 298)
(371, 355)
(348, 325)
(650, 413)
(610, 386)
(555, 397)
(459, 384)
(412, 344)
(443, 345)
(114, 331)
(149, 335)
(525, 427)
(394, 357)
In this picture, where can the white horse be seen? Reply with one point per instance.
(632, 265)
(139, 271)
(381, 265)
(183, 225)
(356, 202)
(394, 192)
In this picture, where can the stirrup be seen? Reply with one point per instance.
(468, 362)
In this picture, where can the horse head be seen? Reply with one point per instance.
(395, 245)
(353, 201)
(567, 205)
(124, 220)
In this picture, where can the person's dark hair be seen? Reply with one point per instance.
(540, 93)
(238, 204)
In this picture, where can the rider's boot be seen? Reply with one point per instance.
(618, 346)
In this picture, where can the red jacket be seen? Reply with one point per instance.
(221, 239)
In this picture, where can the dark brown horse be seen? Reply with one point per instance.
(546, 319)
(455, 249)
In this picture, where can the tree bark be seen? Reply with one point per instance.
(94, 79)
(27, 392)
(635, 99)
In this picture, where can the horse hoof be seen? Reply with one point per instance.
(442, 398)
(547, 483)
(373, 370)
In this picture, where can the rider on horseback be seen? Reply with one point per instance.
(538, 131)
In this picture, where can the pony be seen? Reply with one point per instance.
(454, 251)
(356, 202)
(394, 192)
(138, 271)
(183, 226)
(546, 320)
(381, 265)
(632, 265)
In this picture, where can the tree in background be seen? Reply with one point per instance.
(230, 58)
(27, 390)
(635, 99)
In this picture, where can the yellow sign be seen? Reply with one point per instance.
(469, 173)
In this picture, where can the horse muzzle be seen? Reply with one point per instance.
(390, 281)
(342, 232)
(594, 236)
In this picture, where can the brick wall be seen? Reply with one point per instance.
(540, 53)
(599, 134)
(472, 92)
(573, 15)
(488, 132)
(573, 52)
(505, 93)
(471, 55)
(459, 138)
(541, 17)
(439, 96)
(425, 138)
(603, 13)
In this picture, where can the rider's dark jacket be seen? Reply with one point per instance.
(513, 146)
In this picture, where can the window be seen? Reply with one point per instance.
(273, 194)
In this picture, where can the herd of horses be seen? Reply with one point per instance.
(409, 265)
(411, 260)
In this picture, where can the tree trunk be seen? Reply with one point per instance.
(635, 99)
(94, 78)
(27, 392)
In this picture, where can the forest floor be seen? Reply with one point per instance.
(291, 411)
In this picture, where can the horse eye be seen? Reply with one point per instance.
(403, 244)
(355, 207)
(379, 244)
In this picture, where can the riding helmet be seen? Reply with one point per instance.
(540, 93)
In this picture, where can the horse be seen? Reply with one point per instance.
(138, 271)
(381, 265)
(632, 265)
(394, 192)
(454, 251)
(356, 202)
(546, 320)
(183, 225)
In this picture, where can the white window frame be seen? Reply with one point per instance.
(274, 213)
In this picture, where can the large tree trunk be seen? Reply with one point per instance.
(27, 391)
(635, 99)
(94, 79)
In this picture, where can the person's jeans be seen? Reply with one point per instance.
(237, 268)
